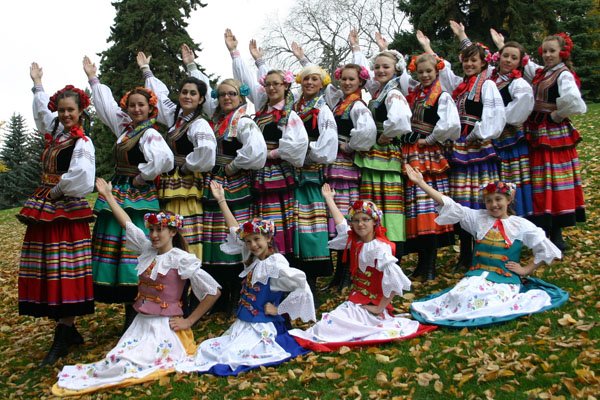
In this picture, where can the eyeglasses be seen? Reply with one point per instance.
(230, 94)
(364, 220)
(273, 84)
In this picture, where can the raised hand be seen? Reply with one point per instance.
(413, 174)
(257, 52)
(381, 42)
(230, 40)
(35, 71)
(104, 188)
(89, 67)
(424, 42)
(497, 37)
(143, 60)
(458, 29)
(353, 38)
(327, 191)
(187, 55)
(297, 50)
(217, 190)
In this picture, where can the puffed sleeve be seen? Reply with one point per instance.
(339, 242)
(324, 149)
(451, 213)
(535, 238)
(569, 101)
(136, 239)
(202, 283)
(530, 70)
(78, 181)
(448, 78)
(107, 108)
(493, 116)
(235, 245)
(448, 126)
(166, 108)
(294, 141)
(518, 110)
(42, 116)
(407, 83)
(393, 281)
(364, 133)
(359, 58)
(210, 105)
(158, 155)
(253, 153)
(201, 135)
(333, 96)
(299, 302)
(398, 115)
(241, 72)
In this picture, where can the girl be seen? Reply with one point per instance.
(493, 290)
(55, 271)
(193, 143)
(381, 166)
(434, 121)
(158, 337)
(259, 335)
(141, 155)
(481, 110)
(365, 318)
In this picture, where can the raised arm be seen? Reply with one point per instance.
(335, 212)
(382, 43)
(42, 116)
(105, 190)
(417, 178)
(424, 42)
(219, 194)
(458, 29)
(497, 38)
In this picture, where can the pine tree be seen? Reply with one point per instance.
(155, 27)
(13, 156)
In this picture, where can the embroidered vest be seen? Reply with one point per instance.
(56, 159)
(546, 91)
(503, 89)
(491, 254)
(423, 119)
(179, 143)
(253, 299)
(161, 296)
(128, 153)
(366, 287)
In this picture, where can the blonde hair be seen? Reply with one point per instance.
(316, 70)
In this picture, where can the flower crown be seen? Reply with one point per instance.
(256, 225)
(486, 51)
(244, 91)
(84, 100)
(412, 67)
(325, 77)
(364, 73)
(152, 101)
(496, 57)
(508, 188)
(162, 219)
(288, 77)
(366, 207)
(564, 53)
(400, 65)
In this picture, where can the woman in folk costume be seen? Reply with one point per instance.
(193, 143)
(141, 155)
(159, 336)
(55, 270)
(496, 288)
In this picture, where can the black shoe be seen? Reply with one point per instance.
(557, 238)
(429, 265)
(130, 314)
(234, 301)
(312, 284)
(419, 269)
(74, 337)
(466, 253)
(59, 346)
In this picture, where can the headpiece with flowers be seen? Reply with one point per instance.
(314, 69)
(412, 67)
(496, 56)
(256, 225)
(153, 101)
(244, 91)
(400, 64)
(566, 51)
(364, 73)
(84, 100)
(162, 219)
(486, 51)
(507, 188)
(366, 207)
(288, 77)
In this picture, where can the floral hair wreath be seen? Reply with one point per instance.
(364, 73)
(84, 100)
(366, 207)
(400, 65)
(162, 219)
(256, 225)
(153, 99)
(508, 188)
(486, 50)
(288, 77)
(564, 53)
(244, 91)
(496, 57)
(412, 67)
(325, 77)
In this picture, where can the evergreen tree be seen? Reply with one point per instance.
(32, 169)
(13, 156)
(155, 27)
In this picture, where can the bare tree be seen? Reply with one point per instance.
(322, 27)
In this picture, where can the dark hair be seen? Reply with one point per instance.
(202, 89)
(272, 249)
(473, 50)
(84, 118)
(517, 46)
(179, 241)
(356, 68)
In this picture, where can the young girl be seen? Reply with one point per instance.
(365, 318)
(434, 121)
(158, 338)
(493, 290)
(259, 334)
(141, 155)
(52, 283)
(193, 143)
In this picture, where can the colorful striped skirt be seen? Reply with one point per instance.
(344, 177)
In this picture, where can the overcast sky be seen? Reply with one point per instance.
(57, 34)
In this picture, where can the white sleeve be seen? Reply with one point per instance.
(535, 238)
(324, 149)
(530, 70)
(364, 133)
(333, 96)
(202, 283)
(234, 245)
(569, 101)
(359, 58)
(448, 79)
(42, 116)
(201, 135)
(299, 302)
(398, 115)
(518, 110)
(166, 108)
(448, 126)
(158, 155)
(407, 83)
(339, 242)
(253, 153)
(107, 108)
(393, 282)
(493, 116)
(78, 181)
(293, 144)
(136, 239)
(241, 72)
(210, 105)
(451, 213)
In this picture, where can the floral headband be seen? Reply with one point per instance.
(256, 225)
(84, 100)
(564, 53)
(400, 65)
(366, 207)
(508, 188)
(364, 74)
(496, 57)
(412, 67)
(244, 91)
(325, 78)
(288, 77)
(486, 51)
(162, 219)
(152, 101)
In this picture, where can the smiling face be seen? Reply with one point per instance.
(364, 226)
(497, 204)
(311, 86)
(472, 65)
(275, 88)
(350, 81)
(509, 59)
(384, 69)
(68, 112)
(161, 237)
(550, 53)
(189, 98)
(426, 73)
(229, 98)
(138, 108)
(258, 245)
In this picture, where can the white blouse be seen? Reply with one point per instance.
(187, 265)
(324, 149)
(210, 105)
(378, 255)
(78, 181)
(158, 155)
(521, 105)
(199, 133)
(253, 154)
(479, 222)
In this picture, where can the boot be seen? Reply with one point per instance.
(466, 252)
(420, 268)
(429, 265)
(74, 337)
(338, 275)
(557, 238)
(312, 284)
(59, 346)
(234, 300)
(346, 278)
(130, 314)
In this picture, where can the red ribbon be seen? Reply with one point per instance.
(500, 226)
(356, 245)
(76, 131)
(464, 86)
